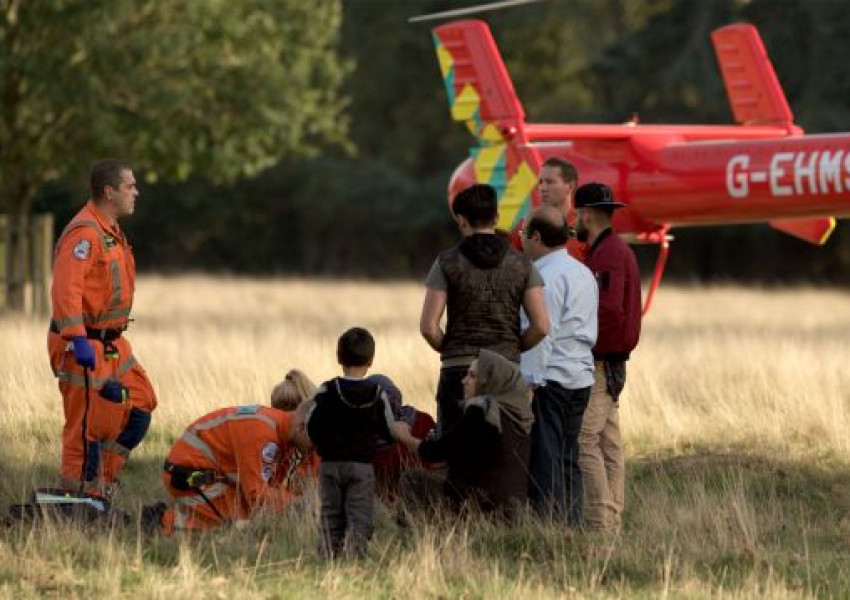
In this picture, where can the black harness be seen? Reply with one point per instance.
(108, 334)
(192, 479)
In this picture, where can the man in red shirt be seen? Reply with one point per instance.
(614, 266)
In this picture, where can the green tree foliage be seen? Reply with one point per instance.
(320, 217)
(377, 207)
(548, 51)
(399, 111)
(808, 44)
(214, 87)
(665, 70)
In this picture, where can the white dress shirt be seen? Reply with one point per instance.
(572, 298)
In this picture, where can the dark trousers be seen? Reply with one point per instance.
(449, 397)
(347, 494)
(555, 487)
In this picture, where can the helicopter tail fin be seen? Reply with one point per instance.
(479, 89)
(755, 95)
(481, 95)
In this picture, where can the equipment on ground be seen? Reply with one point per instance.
(49, 503)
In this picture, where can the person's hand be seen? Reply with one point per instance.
(301, 439)
(113, 391)
(402, 431)
(83, 351)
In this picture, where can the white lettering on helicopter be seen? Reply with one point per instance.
(791, 174)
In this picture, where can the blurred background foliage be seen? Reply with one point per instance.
(356, 184)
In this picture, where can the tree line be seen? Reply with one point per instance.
(314, 138)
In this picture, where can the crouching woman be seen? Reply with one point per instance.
(486, 451)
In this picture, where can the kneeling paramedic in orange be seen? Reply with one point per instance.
(228, 464)
(107, 396)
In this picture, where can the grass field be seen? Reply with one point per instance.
(736, 418)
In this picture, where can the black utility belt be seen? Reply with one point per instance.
(618, 357)
(190, 478)
(108, 334)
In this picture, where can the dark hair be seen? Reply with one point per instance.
(568, 171)
(478, 204)
(107, 173)
(355, 348)
(551, 235)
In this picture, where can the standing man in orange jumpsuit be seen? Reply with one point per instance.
(107, 396)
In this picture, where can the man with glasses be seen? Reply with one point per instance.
(560, 368)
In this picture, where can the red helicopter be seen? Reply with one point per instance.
(761, 169)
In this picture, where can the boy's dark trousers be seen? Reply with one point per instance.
(347, 494)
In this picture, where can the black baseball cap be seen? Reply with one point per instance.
(595, 195)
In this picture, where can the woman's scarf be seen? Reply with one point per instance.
(501, 391)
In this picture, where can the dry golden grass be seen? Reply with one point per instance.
(736, 419)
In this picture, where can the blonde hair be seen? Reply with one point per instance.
(295, 388)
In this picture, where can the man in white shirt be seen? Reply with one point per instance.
(560, 368)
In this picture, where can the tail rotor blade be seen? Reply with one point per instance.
(471, 10)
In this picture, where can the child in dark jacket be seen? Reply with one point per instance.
(350, 413)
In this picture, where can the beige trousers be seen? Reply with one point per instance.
(601, 458)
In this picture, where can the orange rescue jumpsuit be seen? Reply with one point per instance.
(93, 283)
(246, 449)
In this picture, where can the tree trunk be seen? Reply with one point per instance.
(17, 198)
(17, 257)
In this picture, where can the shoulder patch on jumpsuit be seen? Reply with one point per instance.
(82, 250)
(269, 452)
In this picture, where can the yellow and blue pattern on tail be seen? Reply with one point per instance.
(481, 95)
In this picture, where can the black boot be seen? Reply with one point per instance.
(151, 517)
